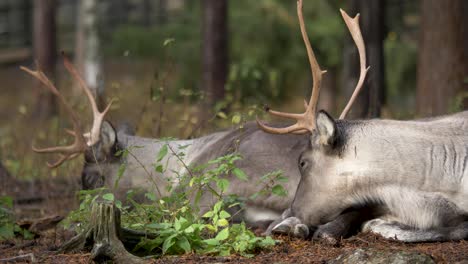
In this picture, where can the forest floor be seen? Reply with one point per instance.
(52, 198)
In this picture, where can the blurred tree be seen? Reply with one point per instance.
(372, 21)
(162, 12)
(45, 53)
(442, 63)
(4, 175)
(215, 49)
(87, 49)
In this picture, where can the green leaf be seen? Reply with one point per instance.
(282, 179)
(159, 225)
(184, 244)
(211, 242)
(236, 119)
(223, 214)
(268, 242)
(168, 243)
(151, 196)
(198, 197)
(108, 197)
(223, 234)
(27, 235)
(208, 214)
(222, 115)
(162, 152)
(240, 174)
(6, 201)
(217, 206)
(159, 168)
(168, 41)
(225, 252)
(7, 231)
(177, 225)
(223, 185)
(279, 190)
(222, 222)
(120, 173)
(189, 229)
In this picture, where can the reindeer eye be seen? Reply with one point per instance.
(302, 164)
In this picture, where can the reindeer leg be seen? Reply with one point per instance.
(332, 231)
(288, 225)
(291, 226)
(404, 233)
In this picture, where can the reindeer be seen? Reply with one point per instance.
(413, 174)
(327, 161)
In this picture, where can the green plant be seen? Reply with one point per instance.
(180, 225)
(8, 228)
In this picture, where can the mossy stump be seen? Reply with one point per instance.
(104, 234)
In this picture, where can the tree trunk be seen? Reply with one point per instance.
(162, 12)
(215, 50)
(87, 50)
(328, 93)
(4, 174)
(45, 53)
(105, 232)
(372, 21)
(442, 62)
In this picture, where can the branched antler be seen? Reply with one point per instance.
(82, 140)
(92, 136)
(305, 122)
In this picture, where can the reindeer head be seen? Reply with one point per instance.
(325, 135)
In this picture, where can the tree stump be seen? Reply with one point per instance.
(104, 234)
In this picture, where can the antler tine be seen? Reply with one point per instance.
(62, 159)
(354, 29)
(79, 145)
(305, 121)
(92, 136)
(314, 66)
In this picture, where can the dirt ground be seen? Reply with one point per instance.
(56, 197)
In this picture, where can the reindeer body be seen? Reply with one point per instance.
(261, 153)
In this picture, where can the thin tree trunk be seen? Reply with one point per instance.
(442, 63)
(372, 21)
(87, 49)
(162, 12)
(328, 94)
(4, 174)
(215, 49)
(45, 53)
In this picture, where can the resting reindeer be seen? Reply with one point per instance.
(262, 153)
(414, 174)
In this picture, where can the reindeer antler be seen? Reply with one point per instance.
(305, 121)
(82, 140)
(353, 26)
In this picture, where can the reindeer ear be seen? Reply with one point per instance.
(326, 127)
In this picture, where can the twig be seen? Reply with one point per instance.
(26, 257)
(147, 172)
(190, 172)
